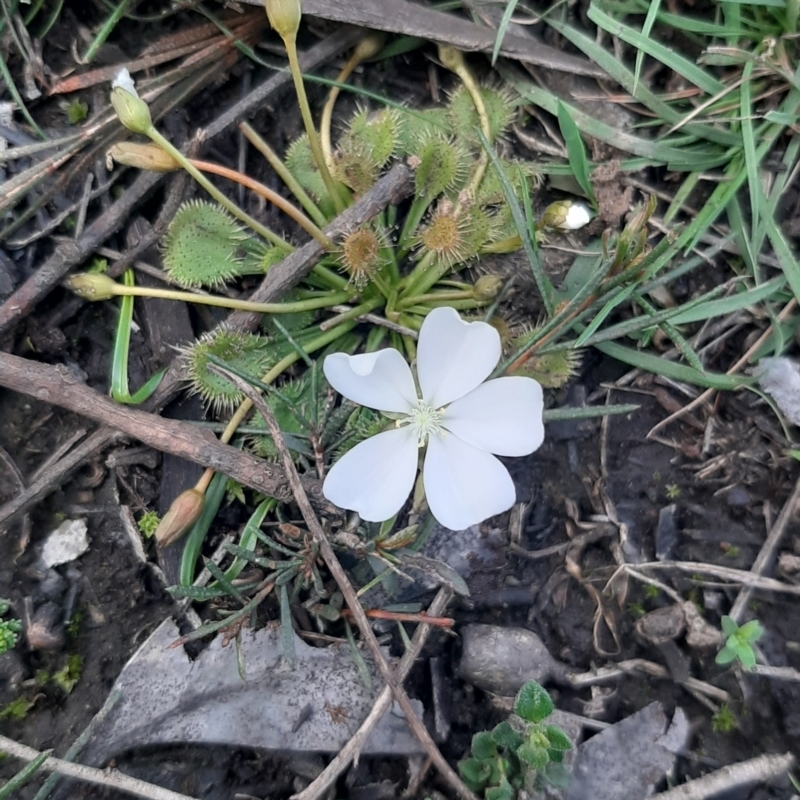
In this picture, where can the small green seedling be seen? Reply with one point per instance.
(739, 642)
(9, 628)
(148, 523)
(521, 753)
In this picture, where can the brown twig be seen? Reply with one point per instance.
(339, 575)
(756, 770)
(382, 703)
(399, 616)
(766, 556)
(411, 19)
(57, 385)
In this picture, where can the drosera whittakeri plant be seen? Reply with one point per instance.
(400, 269)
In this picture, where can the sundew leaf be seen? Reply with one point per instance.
(576, 152)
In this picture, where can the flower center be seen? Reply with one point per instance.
(425, 420)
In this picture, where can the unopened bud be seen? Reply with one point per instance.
(132, 111)
(143, 156)
(453, 59)
(284, 16)
(566, 215)
(487, 287)
(92, 286)
(182, 514)
(369, 46)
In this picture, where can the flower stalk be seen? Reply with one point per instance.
(91, 286)
(284, 16)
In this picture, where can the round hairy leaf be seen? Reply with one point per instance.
(251, 354)
(483, 745)
(503, 791)
(442, 166)
(464, 116)
(300, 162)
(533, 703)
(505, 736)
(205, 246)
(558, 739)
(474, 773)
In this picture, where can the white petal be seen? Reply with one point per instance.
(376, 476)
(123, 80)
(464, 485)
(379, 380)
(578, 215)
(503, 416)
(454, 356)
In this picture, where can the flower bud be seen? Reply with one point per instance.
(144, 156)
(370, 45)
(452, 58)
(284, 16)
(487, 287)
(182, 514)
(132, 111)
(92, 286)
(566, 215)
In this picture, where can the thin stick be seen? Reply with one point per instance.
(339, 575)
(113, 779)
(756, 770)
(383, 701)
(766, 556)
(727, 573)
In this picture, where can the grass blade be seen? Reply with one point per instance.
(576, 152)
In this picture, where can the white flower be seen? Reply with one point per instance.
(462, 420)
(123, 80)
(578, 215)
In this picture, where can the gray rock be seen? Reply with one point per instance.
(164, 698)
(500, 660)
(626, 760)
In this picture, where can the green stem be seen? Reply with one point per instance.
(261, 230)
(283, 173)
(333, 299)
(434, 297)
(364, 308)
(328, 337)
(290, 43)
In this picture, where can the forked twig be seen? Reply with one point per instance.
(382, 703)
(339, 575)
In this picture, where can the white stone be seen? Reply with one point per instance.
(67, 542)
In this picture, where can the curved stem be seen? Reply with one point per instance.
(229, 205)
(273, 197)
(283, 173)
(297, 76)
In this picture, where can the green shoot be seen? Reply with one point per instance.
(739, 642)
